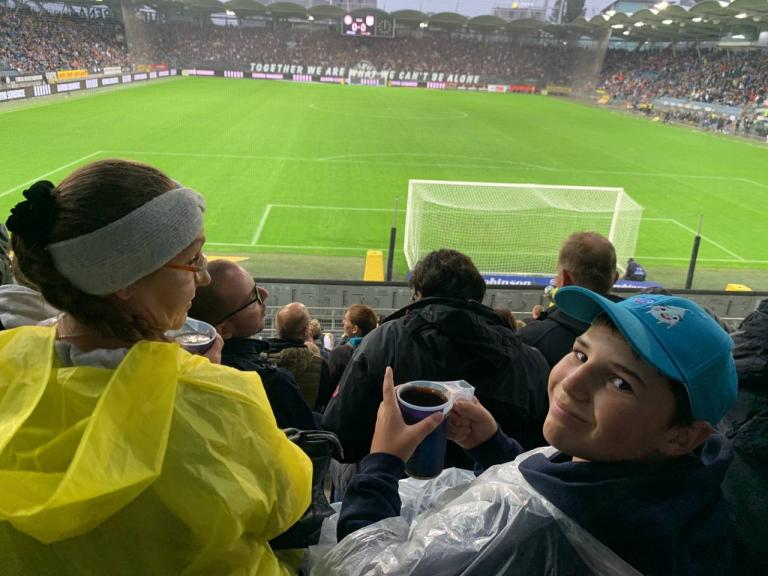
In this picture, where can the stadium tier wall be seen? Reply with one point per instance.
(327, 301)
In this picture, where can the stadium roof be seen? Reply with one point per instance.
(707, 20)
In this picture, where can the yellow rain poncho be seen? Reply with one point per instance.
(167, 465)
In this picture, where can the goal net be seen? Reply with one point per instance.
(514, 228)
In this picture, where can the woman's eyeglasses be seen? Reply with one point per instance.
(198, 266)
(256, 298)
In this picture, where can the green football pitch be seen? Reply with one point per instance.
(302, 178)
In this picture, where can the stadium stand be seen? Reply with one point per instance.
(735, 80)
(33, 43)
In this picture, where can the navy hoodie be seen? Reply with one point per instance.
(664, 518)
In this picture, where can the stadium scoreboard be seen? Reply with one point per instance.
(376, 25)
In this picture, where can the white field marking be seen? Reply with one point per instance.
(490, 163)
(462, 116)
(264, 216)
(350, 208)
(686, 259)
(268, 209)
(295, 246)
(715, 244)
(91, 155)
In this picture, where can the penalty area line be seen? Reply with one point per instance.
(294, 247)
(262, 222)
(67, 165)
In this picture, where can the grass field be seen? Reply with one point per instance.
(297, 170)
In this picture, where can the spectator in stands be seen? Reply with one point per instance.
(634, 271)
(6, 274)
(235, 305)
(159, 446)
(509, 317)
(293, 350)
(747, 427)
(316, 336)
(635, 462)
(446, 334)
(22, 306)
(359, 320)
(585, 259)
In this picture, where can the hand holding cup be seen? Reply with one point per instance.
(392, 434)
(470, 424)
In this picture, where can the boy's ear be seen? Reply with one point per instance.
(684, 439)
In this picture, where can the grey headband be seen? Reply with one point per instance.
(115, 256)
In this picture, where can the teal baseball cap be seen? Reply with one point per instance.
(673, 334)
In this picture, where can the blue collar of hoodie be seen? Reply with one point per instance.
(354, 341)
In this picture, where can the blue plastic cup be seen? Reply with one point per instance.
(418, 400)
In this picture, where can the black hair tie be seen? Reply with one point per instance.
(33, 218)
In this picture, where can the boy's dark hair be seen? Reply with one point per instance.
(683, 413)
(448, 273)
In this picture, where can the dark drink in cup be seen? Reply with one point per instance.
(419, 400)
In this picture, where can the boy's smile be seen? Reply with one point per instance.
(607, 404)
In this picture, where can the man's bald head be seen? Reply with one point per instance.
(292, 321)
(224, 301)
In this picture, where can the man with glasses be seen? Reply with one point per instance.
(234, 304)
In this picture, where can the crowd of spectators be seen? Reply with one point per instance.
(713, 76)
(32, 43)
(183, 44)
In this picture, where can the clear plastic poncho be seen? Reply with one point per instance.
(167, 465)
(496, 524)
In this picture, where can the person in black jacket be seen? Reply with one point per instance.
(747, 427)
(586, 259)
(234, 304)
(446, 334)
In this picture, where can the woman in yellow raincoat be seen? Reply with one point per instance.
(121, 453)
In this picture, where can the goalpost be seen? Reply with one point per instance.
(514, 228)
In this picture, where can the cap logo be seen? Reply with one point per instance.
(642, 300)
(669, 315)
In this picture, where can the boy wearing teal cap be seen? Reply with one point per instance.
(637, 465)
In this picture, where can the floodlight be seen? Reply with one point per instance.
(639, 24)
(661, 5)
(667, 22)
(697, 19)
(626, 32)
(423, 25)
(723, 3)
(617, 26)
(741, 16)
